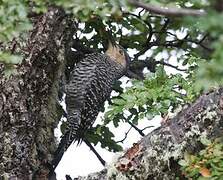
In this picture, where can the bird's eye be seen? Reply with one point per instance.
(121, 52)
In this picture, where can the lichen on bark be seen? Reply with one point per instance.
(29, 100)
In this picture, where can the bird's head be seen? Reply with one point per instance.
(118, 54)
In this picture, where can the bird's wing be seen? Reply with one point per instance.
(82, 76)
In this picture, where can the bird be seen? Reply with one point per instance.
(90, 85)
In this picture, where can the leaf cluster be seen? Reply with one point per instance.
(156, 95)
(207, 164)
(101, 134)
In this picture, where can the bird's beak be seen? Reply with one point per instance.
(111, 44)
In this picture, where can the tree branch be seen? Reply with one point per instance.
(170, 65)
(136, 128)
(156, 156)
(147, 127)
(126, 135)
(95, 152)
(176, 12)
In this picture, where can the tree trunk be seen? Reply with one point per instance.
(29, 109)
(156, 155)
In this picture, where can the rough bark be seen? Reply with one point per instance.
(29, 109)
(156, 155)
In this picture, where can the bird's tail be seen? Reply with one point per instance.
(73, 123)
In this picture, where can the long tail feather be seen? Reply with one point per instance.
(60, 150)
(69, 136)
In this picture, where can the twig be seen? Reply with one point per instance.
(146, 128)
(168, 11)
(200, 43)
(186, 39)
(140, 12)
(126, 134)
(149, 44)
(144, 21)
(170, 65)
(95, 152)
(136, 128)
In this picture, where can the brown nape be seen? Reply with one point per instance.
(116, 54)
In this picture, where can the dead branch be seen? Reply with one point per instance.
(167, 11)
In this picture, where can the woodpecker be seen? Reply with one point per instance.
(89, 87)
